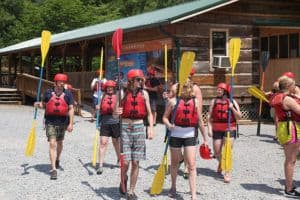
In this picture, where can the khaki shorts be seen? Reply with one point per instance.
(57, 132)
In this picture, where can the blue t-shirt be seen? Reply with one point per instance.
(58, 120)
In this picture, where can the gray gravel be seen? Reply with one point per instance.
(258, 165)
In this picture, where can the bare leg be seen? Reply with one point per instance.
(154, 113)
(102, 149)
(190, 156)
(134, 175)
(60, 146)
(290, 151)
(116, 143)
(175, 153)
(217, 145)
(52, 152)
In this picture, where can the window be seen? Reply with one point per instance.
(264, 44)
(273, 46)
(283, 46)
(294, 45)
(219, 41)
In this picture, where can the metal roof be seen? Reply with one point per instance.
(277, 23)
(168, 15)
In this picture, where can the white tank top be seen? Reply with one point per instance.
(183, 132)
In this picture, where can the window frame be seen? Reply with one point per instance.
(226, 30)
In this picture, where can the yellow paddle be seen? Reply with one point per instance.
(45, 44)
(187, 60)
(166, 88)
(96, 138)
(234, 53)
(257, 93)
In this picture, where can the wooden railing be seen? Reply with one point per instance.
(28, 84)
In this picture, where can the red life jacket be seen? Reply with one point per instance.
(186, 114)
(108, 103)
(220, 115)
(57, 106)
(134, 106)
(283, 115)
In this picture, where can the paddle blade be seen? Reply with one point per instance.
(117, 40)
(166, 63)
(186, 65)
(257, 93)
(31, 140)
(226, 159)
(166, 164)
(234, 52)
(45, 44)
(95, 148)
(159, 178)
(265, 56)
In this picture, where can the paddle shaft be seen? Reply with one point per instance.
(260, 104)
(38, 91)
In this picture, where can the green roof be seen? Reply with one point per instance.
(163, 16)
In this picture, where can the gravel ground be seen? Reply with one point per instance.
(257, 174)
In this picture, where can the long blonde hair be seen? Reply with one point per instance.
(284, 83)
(187, 91)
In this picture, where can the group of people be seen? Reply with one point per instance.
(123, 114)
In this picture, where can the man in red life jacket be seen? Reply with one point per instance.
(218, 121)
(134, 107)
(59, 114)
(109, 126)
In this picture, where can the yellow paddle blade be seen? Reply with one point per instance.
(234, 52)
(159, 178)
(257, 93)
(45, 44)
(186, 65)
(226, 159)
(166, 164)
(101, 64)
(95, 148)
(31, 140)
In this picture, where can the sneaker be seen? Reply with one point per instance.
(172, 193)
(100, 170)
(132, 196)
(293, 193)
(53, 175)
(57, 164)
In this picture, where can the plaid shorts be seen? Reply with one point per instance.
(133, 139)
(57, 132)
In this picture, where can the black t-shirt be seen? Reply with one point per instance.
(58, 120)
(153, 83)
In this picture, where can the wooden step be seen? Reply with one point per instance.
(11, 102)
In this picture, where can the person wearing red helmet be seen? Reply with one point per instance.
(184, 134)
(287, 110)
(109, 126)
(95, 86)
(134, 107)
(151, 85)
(59, 114)
(217, 121)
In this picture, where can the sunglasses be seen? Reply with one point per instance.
(138, 79)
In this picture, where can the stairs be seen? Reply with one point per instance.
(10, 96)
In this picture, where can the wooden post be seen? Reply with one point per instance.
(9, 68)
(32, 63)
(1, 71)
(20, 66)
(64, 61)
(83, 47)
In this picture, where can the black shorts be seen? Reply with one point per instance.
(176, 142)
(221, 134)
(110, 130)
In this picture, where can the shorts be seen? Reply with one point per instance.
(133, 142)
(153, 104)
(57, 132)
(110, 130)
(177, 142)
(95, 101)
(222, 134)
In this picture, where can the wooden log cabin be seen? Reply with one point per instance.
(204, 27)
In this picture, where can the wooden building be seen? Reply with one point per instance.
(203, 26)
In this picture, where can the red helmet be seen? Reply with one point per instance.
(193, 71)
(61, 77)
(289, 74)
(224, 86)
(134, 73)
(205, 152)
(151, 71)
(109, 83)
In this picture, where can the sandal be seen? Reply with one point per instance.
(186, 175)
(172, 193)
(226, 178)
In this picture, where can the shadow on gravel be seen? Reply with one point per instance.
(269, 141)
(262, 188)
(111, 192)
(282, 182)
(44, 168)
(208, 172)
(90, 169)
(165, 193)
